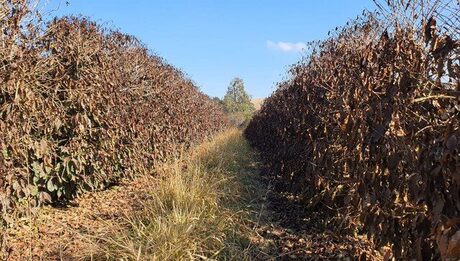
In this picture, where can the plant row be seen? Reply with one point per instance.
(82, 106)
(367, 130)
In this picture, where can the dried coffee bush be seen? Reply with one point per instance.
(367, 128)
(83, 106)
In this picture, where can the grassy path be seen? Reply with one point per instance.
(211, 204)
(204, 205)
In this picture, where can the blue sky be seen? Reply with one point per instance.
(213, 41)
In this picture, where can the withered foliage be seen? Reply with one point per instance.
(368, 129)
(82, 106)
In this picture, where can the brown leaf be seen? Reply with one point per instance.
(452, 143)
(45, 197)
(429, 29)
(453, 249)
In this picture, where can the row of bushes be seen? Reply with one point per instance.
(82, 106)
(368, 129)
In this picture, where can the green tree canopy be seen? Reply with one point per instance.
(236, 100)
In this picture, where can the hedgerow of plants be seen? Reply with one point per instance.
(82, 106)
(367, 129)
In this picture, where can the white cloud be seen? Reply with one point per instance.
(286, 47)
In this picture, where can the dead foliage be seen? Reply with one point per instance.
(367, 129)
(83, 106)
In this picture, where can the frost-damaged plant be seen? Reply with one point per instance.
(82, 106)
(368, 128)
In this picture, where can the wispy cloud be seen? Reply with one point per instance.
(286, 46)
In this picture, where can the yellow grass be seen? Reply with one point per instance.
(258, 103)
(201, 208)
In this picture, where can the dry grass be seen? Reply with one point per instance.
(258, 103)
(201, 208)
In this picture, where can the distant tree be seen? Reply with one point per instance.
(236, 100)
